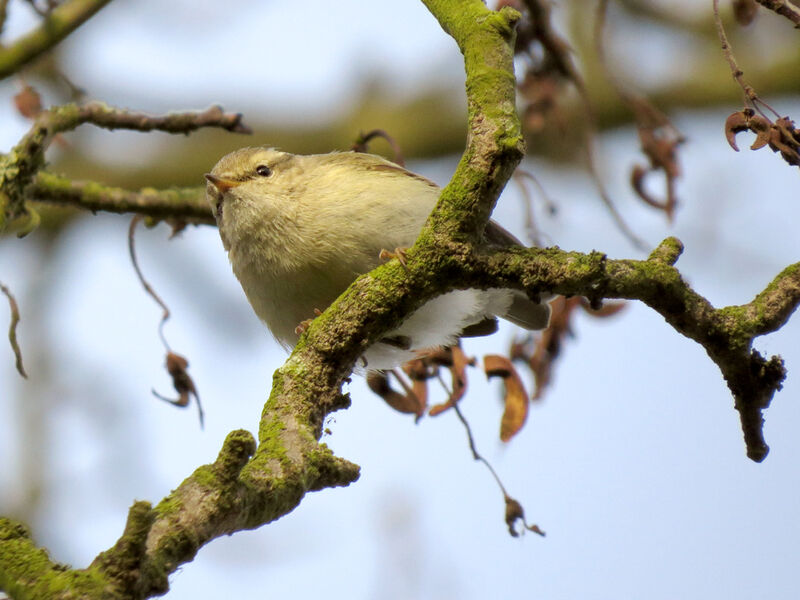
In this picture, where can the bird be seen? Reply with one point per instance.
(299, 229)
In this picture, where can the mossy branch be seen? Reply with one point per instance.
(58, 24)
(243, 489)
(183, 204)
(19, 168)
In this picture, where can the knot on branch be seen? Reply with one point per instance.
(122, 564)
(667, 252)
(237, 449)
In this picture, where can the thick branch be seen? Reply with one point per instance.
(725, 333)
(494, 144)
(57, 25)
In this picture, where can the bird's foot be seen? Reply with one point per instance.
(399, 254)
(303, 325)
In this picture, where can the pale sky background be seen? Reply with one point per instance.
(634, 463)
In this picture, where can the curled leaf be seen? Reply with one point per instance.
(638, 174)
(177, 367)
(745, 11)
(785, 139)
(541, 353)
(516, 398)
(747, 120)
(735, 123)
(514, 514)
(659, 140)
(457, 362)
(408, 403)
(28, 102)
(781, 136)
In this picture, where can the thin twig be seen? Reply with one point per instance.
(471, 440)
(12, 329)
(534, 235)
(783, 8)
(147, 288)
(363, 139)
(558, 51)
(749, 92)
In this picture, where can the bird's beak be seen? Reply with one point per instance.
(222, 185)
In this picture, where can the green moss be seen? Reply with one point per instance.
(169, 506)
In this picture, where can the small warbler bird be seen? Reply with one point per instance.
(300, 229)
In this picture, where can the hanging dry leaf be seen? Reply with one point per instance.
(516, 398)
(541, 353)
(659, 140)
(28, 102)
(514, 513)
(457, 362)
(408, 403)
(177, 367)
(781, 136)
(745, 11)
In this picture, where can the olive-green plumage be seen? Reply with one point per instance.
(300, 229)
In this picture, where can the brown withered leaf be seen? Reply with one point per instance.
(659, 140)
(785, 138)
(745, 11)
(28, 102)
(407, 403)
(515, 513)
(541, 353)
(419, 372)
(177, 367)
(781, 136)
(515, 399)
(457, 362)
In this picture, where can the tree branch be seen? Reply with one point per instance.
(62, 20)
(726, 333)
(783, 8)
(19, 167)
(184, 204)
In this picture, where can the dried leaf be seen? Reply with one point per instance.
(781, 136)
(515, 398)
(735, 123)
(514, 513)
(745, 11)
(177, 367)
(28, 102)
(540, 353)
(455, 359)
(659, 140)
(608, 309)
(408, 403)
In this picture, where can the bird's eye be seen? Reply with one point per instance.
(263, 170)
